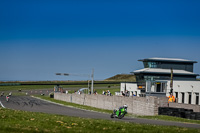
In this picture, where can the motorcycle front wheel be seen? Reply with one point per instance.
(112, 116)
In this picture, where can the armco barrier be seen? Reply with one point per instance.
(136, 105)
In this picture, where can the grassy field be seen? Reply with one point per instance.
(25, 87)
(28, 122)
(72, 87)
(58, 82)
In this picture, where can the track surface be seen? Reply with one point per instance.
(28, 103)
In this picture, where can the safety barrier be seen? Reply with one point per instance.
(179, 112)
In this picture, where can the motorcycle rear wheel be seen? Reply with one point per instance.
(120, 116)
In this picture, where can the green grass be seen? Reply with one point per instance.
(170, 118)
(68, 82)
(28, 122)
(34, 87)
(25, 87)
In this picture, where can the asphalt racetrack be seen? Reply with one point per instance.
(32, 104)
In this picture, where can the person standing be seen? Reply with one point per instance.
(171, 98)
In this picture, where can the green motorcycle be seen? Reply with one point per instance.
(117, 114)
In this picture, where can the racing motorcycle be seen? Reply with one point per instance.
(7, 98)
(116, 113)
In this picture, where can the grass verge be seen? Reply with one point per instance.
(28, 122)
(73, 87)
(170, 118)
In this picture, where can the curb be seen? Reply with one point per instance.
(2, 105)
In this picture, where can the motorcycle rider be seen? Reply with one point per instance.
(7, 98)
(2, 93)
(125, 107)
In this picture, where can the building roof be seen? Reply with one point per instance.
(164, 71)
(168, 60)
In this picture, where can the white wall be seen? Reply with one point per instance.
(130, 87)
(185, 87)
(178, 86)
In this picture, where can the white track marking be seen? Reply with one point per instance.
(2, 105)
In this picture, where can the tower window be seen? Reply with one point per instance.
(152, 64)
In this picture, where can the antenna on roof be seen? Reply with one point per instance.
(171, 82)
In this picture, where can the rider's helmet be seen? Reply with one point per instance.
(125, 106)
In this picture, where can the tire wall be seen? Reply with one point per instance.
(196, 108)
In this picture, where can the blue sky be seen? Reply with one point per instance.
(41, 37)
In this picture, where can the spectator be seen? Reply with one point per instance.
(171, 98)
(2, 93)
(108, 94)
(123, 93)
(126, 93)
(95, 92)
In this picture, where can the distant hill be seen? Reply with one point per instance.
(123, 77)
